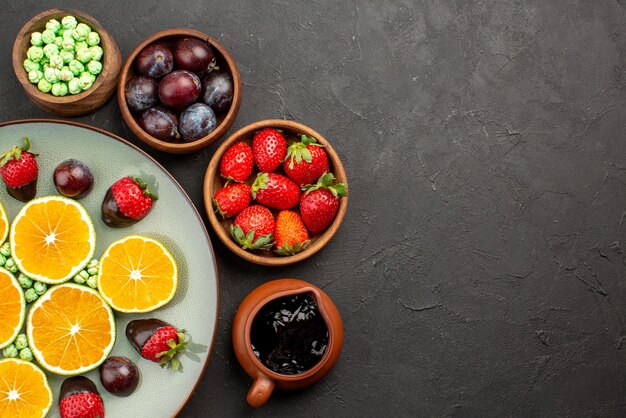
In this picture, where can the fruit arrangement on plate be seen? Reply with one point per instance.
(59, 303)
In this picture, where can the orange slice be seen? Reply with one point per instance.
(12, 308)
(52, 239)
(137, 274)
(24, 390)
(4, 225)
(70, 329)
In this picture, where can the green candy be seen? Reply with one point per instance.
(56, 61)
(58, 41)
(86, 80)
(80, 45)
(35, 39)
(93, 39)
(83, 55)
(50, 50)
(35, 53)
(81, 32)
(92, 264)
(21, 342)
(60, 89)
(26, 354)
(66, 56)
(94, 67)
(53, 25)
(69, 22)
(30, 295)
(69, 44)
(40, 287)
(67, 34)
(44, 85)
(10, 265)
(93, 271)
(3, 260)
(92, 282)
(5, 249)
(96, 53)
(10, 351)
(74, 87)
(66, 74)
(34, 76)
(76, 67)
(24, 281)
(48, 37)
(78, 278)
(30, 65)
(52, 75)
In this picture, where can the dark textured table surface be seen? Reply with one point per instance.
(480, 270)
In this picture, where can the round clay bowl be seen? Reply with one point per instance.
(265, 380)
(70, 105)
(213, 182)
(225, 119)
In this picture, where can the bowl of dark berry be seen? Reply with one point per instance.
(66, 62)
(275, 192)
(179, 90)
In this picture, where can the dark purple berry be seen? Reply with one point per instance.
(160, 123)
(217, 91)
(155, 61)
(141, 93)
(197, 121)
(179, 89)
(73, 179)
(119, 376)
(193, 54)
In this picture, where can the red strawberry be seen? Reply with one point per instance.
(157, 341)
(237, 162)
(306, 161)
(319, 204)
(232, 199)
(275, 191)
(127, 202)
(253, 228)
(79, 398)
(19, 170)
(290, 234)
(269, 147)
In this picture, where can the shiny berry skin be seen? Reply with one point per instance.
(179, 89)
(73, 179)
(306, 161)
(237, 162)
(253, 228)
(157, 341)
(19, 170)
(275, 191)
(160, 123)
(141, 93)
(126, 202)
(193, 54)
(269, 148)
(155, 61)
(217, 90)
(232, 199)
(290, 234)
(197, 121)
(119, 376)
(320, 203)
(79, 398)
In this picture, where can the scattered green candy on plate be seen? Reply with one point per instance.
(26, 354)
(21, 342)
(30, 295)
(10, 351)
(24, 281)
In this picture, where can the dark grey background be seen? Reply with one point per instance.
(480, 270)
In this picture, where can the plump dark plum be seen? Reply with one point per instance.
(196, 121)
(179, 89)
(141, 93)
(119, 376)
(73, 179)
(217, 90)
(160, 123)
(155, 61)
(193, 54)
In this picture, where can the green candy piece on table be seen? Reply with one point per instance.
(93, 271)
(50, 50)
(74, 87)
(53, 25)
(83, 55)
(3, 260)
(35, 53)
(40, 287)
(81, 32)
(79, 279)
(10, 265)
(26, 354)
(5, 249)
(80, 45)
(56, 62)
(69, 22)
(66, 56)
(68, 44)
(76, 67)
(10, 351)
(24, 281)
(96, 53)
(52, 75)
(30, 65)
(94, 67)
(48, 37)
(93, 39)
(44, 85)
(92, 282)
(66, 74)
(30, 295)
(35, 76)
(35, 39)
(60, 89)
(86, 80)
(93, 264)
(21, 342)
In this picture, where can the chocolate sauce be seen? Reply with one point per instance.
(111, 214)
(289, 334)
(75, 385)
(140, 330)
(24, 193)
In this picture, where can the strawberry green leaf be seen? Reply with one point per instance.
(218, 211)
(259, 183)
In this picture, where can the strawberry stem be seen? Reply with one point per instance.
(326, 182)
(168, 357)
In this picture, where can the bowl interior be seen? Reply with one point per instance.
(214, 182)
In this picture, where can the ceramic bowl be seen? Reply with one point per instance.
(213, 182)
(225, 119)
(70, 105)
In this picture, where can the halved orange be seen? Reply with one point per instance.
(137, 274)
(52, 239)
(4, 225)
(70, 329)
(12, 308)
(24, 390)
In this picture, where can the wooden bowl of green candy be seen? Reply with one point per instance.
(66, 61)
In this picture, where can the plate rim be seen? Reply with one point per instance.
(177, 184)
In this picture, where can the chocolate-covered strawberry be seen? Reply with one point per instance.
(232, 199)
(269, 147)
(253, 228)
(127, 202)
(306, 161)
(320, 203)
(157, 341)
(19, 170)
(275, 191)
(237, 163)
(79, 398)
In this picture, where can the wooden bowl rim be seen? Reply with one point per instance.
(109, 46)
(220, 129)
(212, 173)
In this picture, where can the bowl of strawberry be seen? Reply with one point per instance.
(275, 192)
(179, 90)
